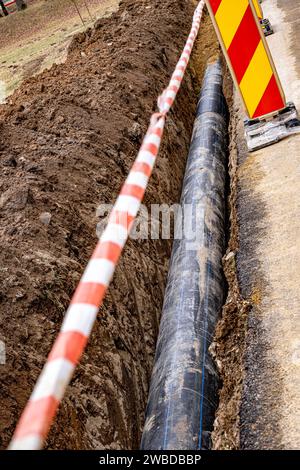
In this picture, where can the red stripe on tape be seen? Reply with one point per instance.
(89, 293)
(69, 345)
(107, 250)
(121, 218)
(174, 88)
(142, 168)
(133, 190)
(157, 131)
(152, 148)
(30, 422)
(170, 101)
(179, 78)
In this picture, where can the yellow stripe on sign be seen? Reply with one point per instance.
(229, 17)
(256, 79)
(258, 9)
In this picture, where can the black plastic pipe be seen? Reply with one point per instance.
(184, 387)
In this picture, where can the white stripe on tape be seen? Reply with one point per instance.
(98, 271)
(138, 178)
(185, 56)
(171, 94)
(80, 317)
(115, 233)
(128, 204)
(146, 157)
(31, 442)
(179, 73)
(53, 379)
(176, 82)
(161, 123)
(173, 84)
(153, 139)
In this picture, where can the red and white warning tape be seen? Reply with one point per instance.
(37, 417)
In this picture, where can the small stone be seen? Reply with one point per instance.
(60, 120)
(11, 231)
(101, 179)
(229, 256)
(80, 38)
(110, 75)
(51, 114)
(20, 295)
(85, 141)
(22, 161)
(45, 218)
(10, 161)
(33, 146)
(14, 199)
(135, 131)
(33, 168)
(94, 104)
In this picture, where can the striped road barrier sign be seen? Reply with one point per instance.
(248, 56)
(240, 32)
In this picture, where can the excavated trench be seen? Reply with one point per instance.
(67, 140)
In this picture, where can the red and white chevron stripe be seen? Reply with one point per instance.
(36, 419)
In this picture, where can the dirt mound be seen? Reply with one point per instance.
(67, 140)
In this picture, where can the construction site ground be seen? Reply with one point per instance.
(77, 101)
(67, 140)
(269, 260)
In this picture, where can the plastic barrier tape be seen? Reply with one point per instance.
(39, 413)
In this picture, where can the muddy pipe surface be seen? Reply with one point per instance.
(184, 387)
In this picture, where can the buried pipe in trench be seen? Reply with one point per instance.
(184, 387)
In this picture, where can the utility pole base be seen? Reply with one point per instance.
(261, 133)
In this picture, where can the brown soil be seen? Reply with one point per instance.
(67, 140)
(230, 337)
